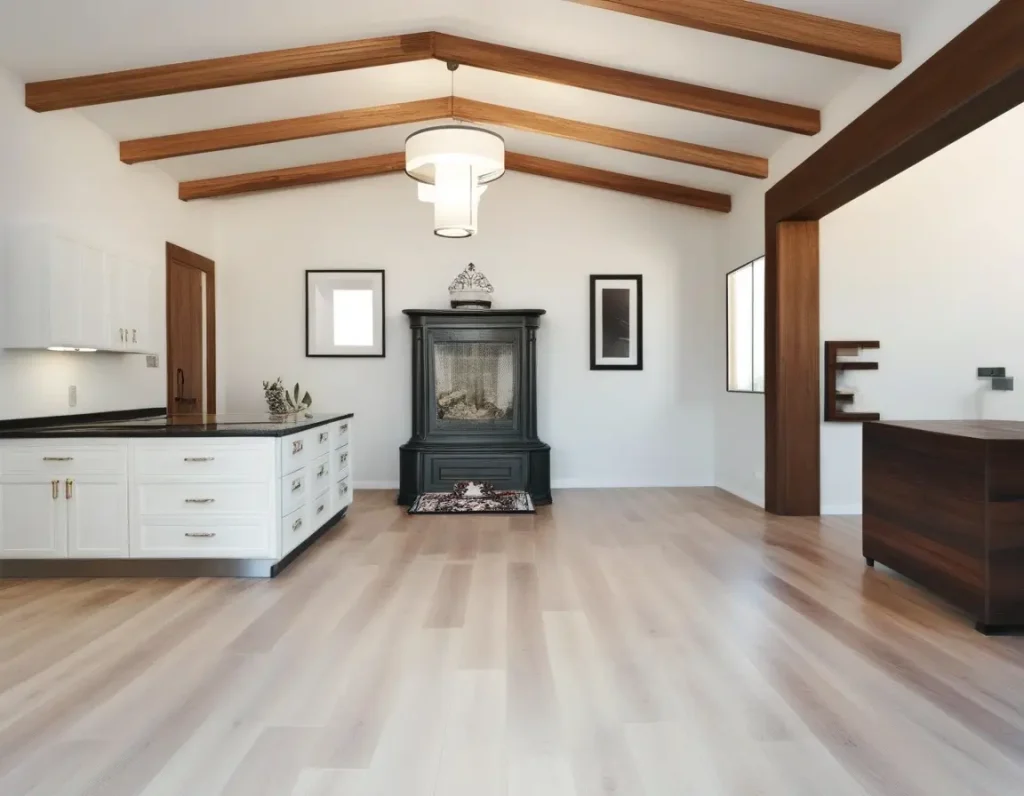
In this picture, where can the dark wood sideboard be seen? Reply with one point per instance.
(944, 506)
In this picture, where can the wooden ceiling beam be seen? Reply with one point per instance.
(241, 69)
(387, 164)
(235, 70)
(618, 82)
(794, 30)
(639, 143)
(140, 150)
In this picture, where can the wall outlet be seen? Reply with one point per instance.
(72, 395)
(152, 361)
(991, 373)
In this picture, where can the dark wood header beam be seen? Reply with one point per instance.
(235, 70)
(659, 90)
(394, 162)
(240, 69)
(194, 143)
(968, 83)
(653, 146)
(767, 24)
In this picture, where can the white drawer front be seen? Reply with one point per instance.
(340, 433)
(239, 537)
(295, 529)
(341, 496)
(320, 511)
(239, 462)
(294, 491)
(320, 475)
(64, 459)
(201, 499)
(295, 452)
(320, 444)
(340, 463)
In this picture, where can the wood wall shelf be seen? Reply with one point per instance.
(835, 398)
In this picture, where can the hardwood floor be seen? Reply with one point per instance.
(637, 642)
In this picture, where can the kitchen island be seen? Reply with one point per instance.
(944, 505)
(188, 495)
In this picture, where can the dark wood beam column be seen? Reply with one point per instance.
(792, 391)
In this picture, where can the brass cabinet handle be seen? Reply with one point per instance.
(296, 485)
(200, 500)
(55, 485)
(58, 458)
(199, 458)
(122, 334)
(344, 458)
(343, 489)
(69, 489)
(320, 509)
(297, 524)
(296, 447)
(322, 471)
(134, 340)
(200, 534)
(324, 436)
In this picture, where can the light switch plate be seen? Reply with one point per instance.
(72, 395)
(152, 361)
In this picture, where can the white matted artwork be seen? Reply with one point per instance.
(344, 313)
(616, 322)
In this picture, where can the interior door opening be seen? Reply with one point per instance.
(191, 333)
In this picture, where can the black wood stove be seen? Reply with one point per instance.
(474, 403)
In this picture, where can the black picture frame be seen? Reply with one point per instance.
(383, 306)
(638, 355)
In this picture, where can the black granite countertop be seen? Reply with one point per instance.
(237, 425)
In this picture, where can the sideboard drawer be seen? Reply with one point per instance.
(63, 459)
(320, 441)
(504, 471)
(340, 433)
(295, 529)
(294, 491)
(220, 538)
(341, 496)
(320, 511)
(296, 451)
(198, 499)
(340, 464)
(320, 475)
(239, 462)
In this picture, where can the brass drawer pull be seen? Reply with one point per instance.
(296, 485)
(69, 489)
(345, 427)
(324, 436)
(200, 500)
(322, 471)
(320, 509)
(58, 458)
(199, 458)
(344, 458)
(201, 534)
(343, 489)
(296, 447)
(297, 524)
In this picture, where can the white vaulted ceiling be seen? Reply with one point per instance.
(47, 39)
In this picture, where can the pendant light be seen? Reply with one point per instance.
(453, 164)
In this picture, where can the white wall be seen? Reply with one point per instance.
(739, 419)
(931, 264)
(60, 169)
(539, 241)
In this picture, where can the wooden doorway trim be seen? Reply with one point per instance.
(205, 265)
(972, 80)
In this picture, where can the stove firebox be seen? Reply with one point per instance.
(474, 403)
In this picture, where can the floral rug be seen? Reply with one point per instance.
(469, 497)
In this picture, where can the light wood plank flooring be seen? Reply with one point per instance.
(637, 642)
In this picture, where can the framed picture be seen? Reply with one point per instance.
(616, 322)
(344, 313)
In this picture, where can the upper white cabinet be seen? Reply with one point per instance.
(62, 293)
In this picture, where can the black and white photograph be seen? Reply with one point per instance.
(616, 322)
(345, 313)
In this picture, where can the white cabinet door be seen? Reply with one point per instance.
(138, 307)
(93, 298)
(117, 300)
(33, 522)
(65, 290)
(97, 510)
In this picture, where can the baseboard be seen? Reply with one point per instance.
(743, 494)
(375, 485)
(572, 483)
(842, 511)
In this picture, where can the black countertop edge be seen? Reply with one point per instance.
(83, 430)
(456, 313)
(25, 423)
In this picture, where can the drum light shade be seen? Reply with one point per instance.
(453, 164)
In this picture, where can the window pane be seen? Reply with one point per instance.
(741, 329)
(759, 325)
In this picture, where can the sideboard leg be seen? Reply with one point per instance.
(870, 561)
